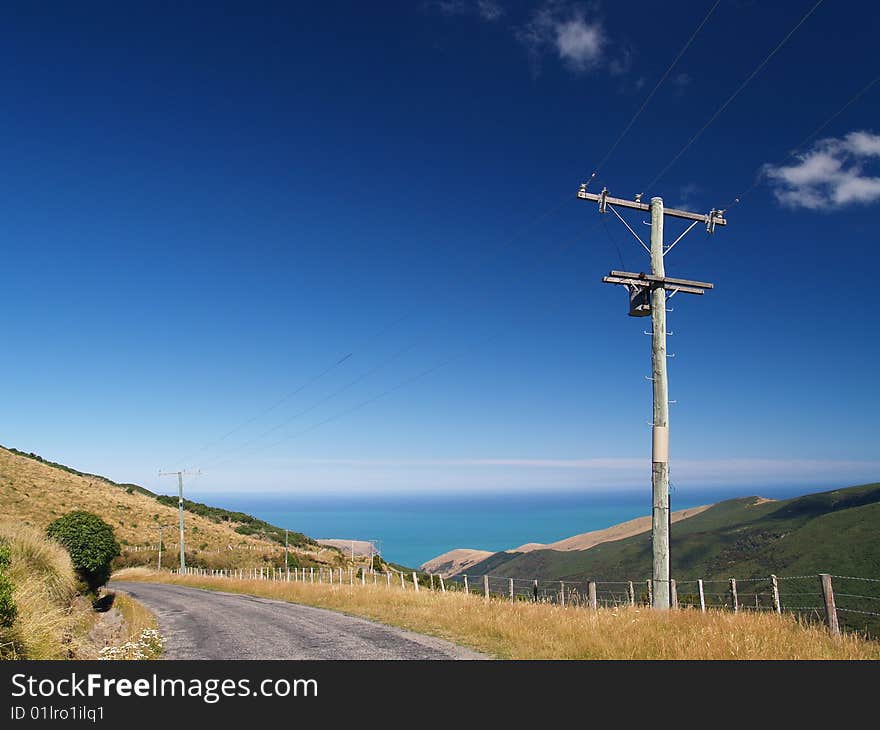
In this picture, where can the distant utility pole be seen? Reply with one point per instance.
(647, 295)
(160, 528)
(180, 475)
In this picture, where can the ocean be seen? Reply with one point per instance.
(409, 530)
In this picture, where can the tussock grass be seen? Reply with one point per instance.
(539, 631)
(36, 493)
(45, 588)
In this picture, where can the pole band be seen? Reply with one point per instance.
(660, 450)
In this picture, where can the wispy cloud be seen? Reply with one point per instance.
(491, 474)
(832, 174)
(565, 31)
(489, 10)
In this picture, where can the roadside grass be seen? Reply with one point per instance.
(521, 630)
(48, 614)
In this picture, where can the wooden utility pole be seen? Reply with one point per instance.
(160, 528)
(180, 475)
(647, 293)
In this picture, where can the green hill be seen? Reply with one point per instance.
(748, 538)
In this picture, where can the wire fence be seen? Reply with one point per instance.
(843, 603)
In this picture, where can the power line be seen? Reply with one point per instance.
(852, 100)
(467, 274)
(654, 91)
(408, 381)
(733, 96)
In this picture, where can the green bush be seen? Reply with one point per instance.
(91, 544)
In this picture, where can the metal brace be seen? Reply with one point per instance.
(603, 200)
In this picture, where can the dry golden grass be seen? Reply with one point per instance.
(539, 631)
(45, 589)
(136, 616)
(36, 493)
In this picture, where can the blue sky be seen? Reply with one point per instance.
(207, 208)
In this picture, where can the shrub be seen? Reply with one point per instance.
(91, 544)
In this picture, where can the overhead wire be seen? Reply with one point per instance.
(733, 96)
(653, 91)
(311, 380)
(812, 135)
(408, 380)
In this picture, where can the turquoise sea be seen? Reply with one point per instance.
(412, 529)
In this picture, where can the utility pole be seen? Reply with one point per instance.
(160, 528)
(647, 294)
(180, 475)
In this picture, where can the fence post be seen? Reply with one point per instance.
(442, 584)
(591, 595)
(702, 595)
(733, 597)
(562, 593)
(375, 578)
(830, 607)
(312, 573)
(388, 578)
(432, 580)
(650, 585)
(467, 590)
(351, 576)
(673, 593)
(632, 594)
(415, 582)
(777, 606)
(486, 587)
(363, 577)
(536, 590)
(511, 589)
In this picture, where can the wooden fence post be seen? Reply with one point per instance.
(702, 595)
(415, 582)
(673, 593)
(536, 590)
(312, 573)
(777, 605)
(830, 607)
(402, 584)
(442, 584)
(632, 594)
(511, 589)
(467, 590)
(351, 576)
(363, 577)
(375, 577)
(486, 587)
(432, 580)
(733, 597)
(650, 585)
(562, 593)
(591, 595)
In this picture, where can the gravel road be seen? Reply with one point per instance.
(201, 624)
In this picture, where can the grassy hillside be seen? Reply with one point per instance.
(748, 537)
(34, 492)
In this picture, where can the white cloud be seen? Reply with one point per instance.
(829, 175)
(577, 42)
